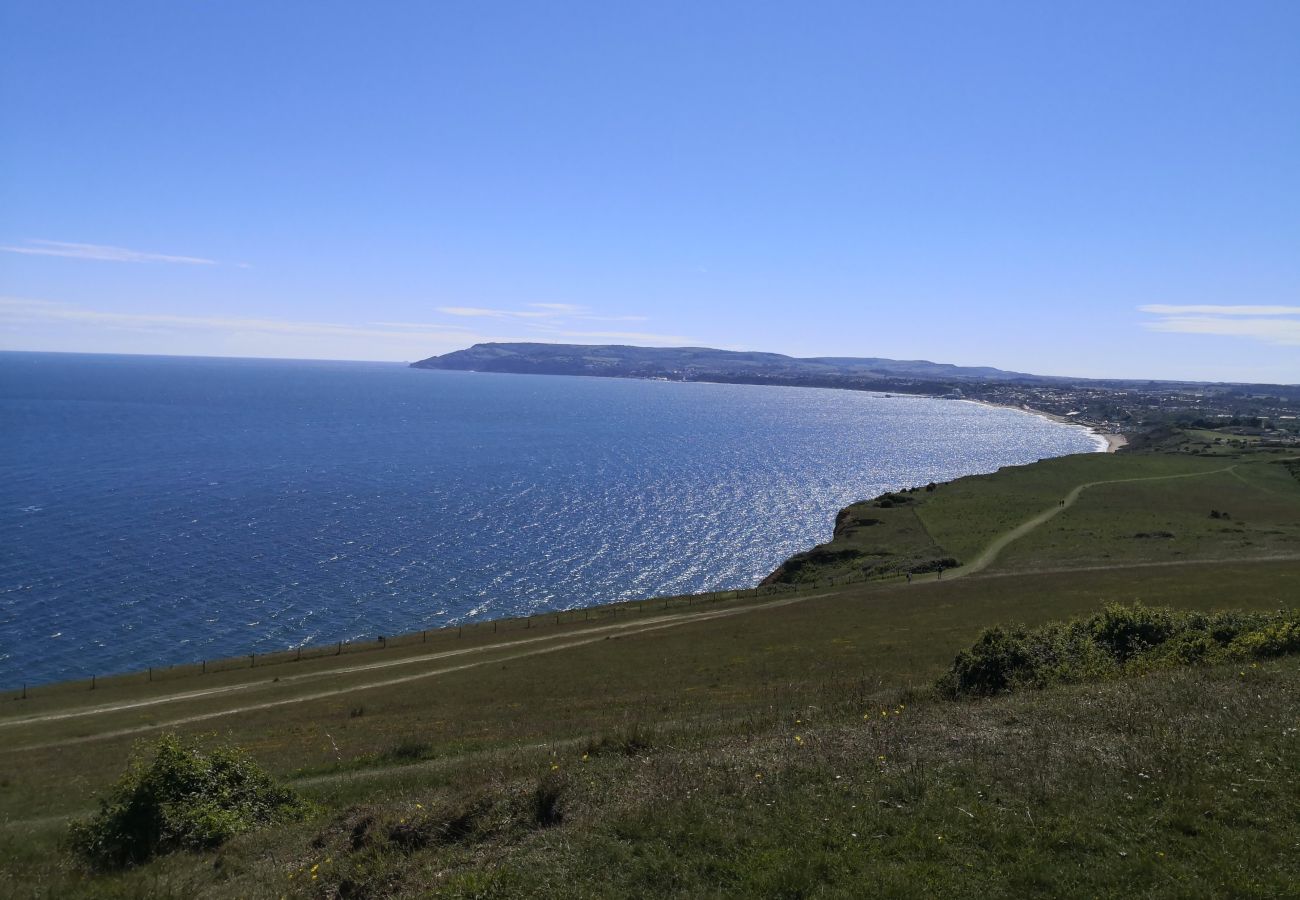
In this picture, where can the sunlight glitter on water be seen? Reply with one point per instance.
(251, 505)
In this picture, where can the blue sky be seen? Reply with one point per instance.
(1075, 188)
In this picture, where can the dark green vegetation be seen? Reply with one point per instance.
(692, 363)
(181, 798)
(1118, 641)
(1153, 505)
(647, 362)
(789, 745)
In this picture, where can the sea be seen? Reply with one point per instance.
(163, 510)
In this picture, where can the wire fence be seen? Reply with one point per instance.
(442, 636)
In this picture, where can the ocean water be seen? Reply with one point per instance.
(159, 510)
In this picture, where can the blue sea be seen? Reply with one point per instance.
(158, 510)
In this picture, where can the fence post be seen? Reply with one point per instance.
(205, 668)
(424, 635)
(339, 651)
(151, 673)
(92, 682)
(494, 626)
(24, 690)
(252, 660)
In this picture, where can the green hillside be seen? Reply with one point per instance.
(785, 744)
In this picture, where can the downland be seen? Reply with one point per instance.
(786, 742)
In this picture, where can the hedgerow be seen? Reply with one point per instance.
(1120, 640)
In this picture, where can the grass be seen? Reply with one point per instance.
(1158, 511)
(720, 748)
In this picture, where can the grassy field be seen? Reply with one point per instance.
(738, 747)
(1137, 507)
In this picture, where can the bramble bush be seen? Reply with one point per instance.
(181, 799)
(1118, 641)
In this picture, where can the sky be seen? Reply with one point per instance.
(1094, 189)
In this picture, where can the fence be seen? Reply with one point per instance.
(438, 635)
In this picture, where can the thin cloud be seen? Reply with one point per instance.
(1266, 324)
(102, 253)
(484, 313)
(1270, 331)
(558, 307)
(638, 336)
(538, 314)
(432, 326)
(1161, 309)
(15, 310)
(281, 337)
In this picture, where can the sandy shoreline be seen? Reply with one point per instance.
(1113, 441)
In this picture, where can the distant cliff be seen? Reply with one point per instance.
(698, 363)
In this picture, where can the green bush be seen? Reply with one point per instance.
(1120, 640)
(181, 799)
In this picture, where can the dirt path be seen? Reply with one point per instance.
(998, 544)
(588, 637)
(281, 680)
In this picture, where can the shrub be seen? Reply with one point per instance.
(993, 664)
(628, 741)
(1120, 640)
(1275, 639)
(1124, 631)
(547, 806)
(181, 799)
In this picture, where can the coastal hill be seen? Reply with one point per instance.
(691, 363)
(1108, 405)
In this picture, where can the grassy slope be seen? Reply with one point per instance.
(1038, 793)
(1160, 512)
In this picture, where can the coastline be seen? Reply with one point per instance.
(1113, 440)
(162, 660)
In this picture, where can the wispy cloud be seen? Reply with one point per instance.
(557, 307)
(537, 312)
(102, 253)
(1161, 309)
(415, 337)
(479, 312)
(14, 309)
(641, 337)
(1267, 324)
(585, 318)
(418, 326)
(46, 325)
